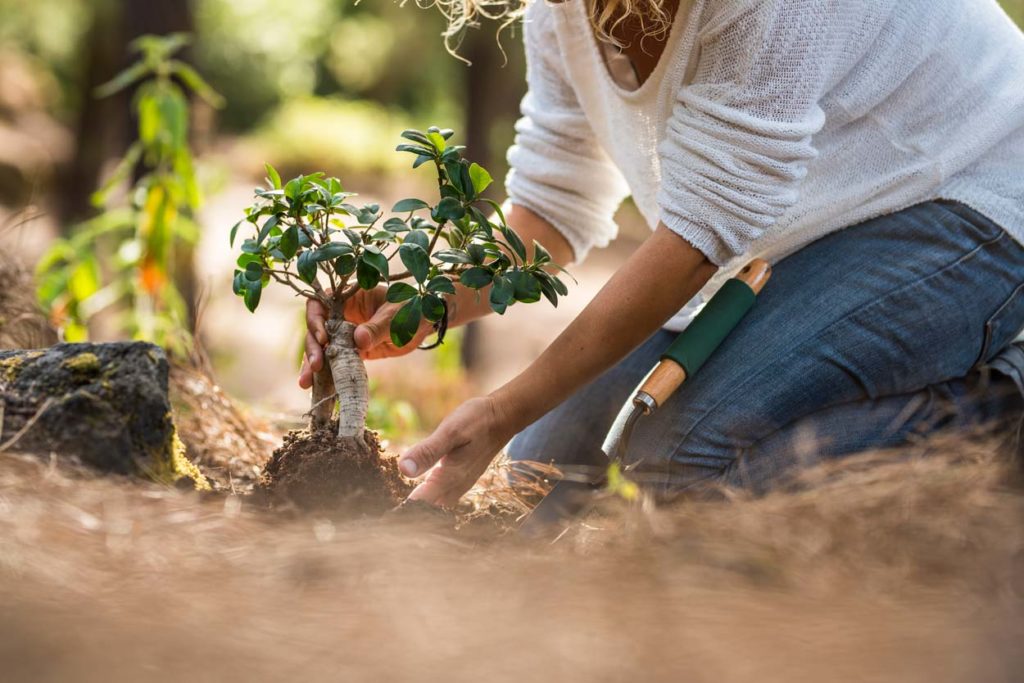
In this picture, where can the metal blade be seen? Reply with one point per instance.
(570, 497)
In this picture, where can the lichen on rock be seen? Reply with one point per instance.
(105, 405)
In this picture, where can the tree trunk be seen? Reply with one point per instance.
(345, 373)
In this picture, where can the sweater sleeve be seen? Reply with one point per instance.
(558, 169)
(739, 139)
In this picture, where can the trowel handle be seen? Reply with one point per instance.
(709, 328)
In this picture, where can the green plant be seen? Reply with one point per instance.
(143, 227)
(307, 236)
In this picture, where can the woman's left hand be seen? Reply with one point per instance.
(458, 451)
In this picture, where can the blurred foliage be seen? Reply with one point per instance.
(260, 56)
(343, 135)
(50, 31)
(395, 417)
(1015, 8)
(143, 227)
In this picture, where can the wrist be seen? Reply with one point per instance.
(511, 407)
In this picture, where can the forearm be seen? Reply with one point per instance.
(470, 304)
(653, 284)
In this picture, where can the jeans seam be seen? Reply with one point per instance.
(867, 306)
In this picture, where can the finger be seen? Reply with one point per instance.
(316, 317)
(444, 484)
(423, 455)
(375, 330)
(305, 374)
(314, 353)
(432, 490)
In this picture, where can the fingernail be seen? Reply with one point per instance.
(408, 467)
(322, 338)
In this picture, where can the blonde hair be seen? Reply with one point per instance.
(651, 16)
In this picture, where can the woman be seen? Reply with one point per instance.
(872, 150)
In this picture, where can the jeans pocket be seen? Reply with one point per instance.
(1004, 326)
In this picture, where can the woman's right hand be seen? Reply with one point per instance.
(373, 314)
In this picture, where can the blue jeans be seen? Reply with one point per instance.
(868, 338)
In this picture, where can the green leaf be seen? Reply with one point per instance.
(454, 171)
(441, 284)
(196, 83)
(415, 259)
(449, 209)
(418, 237)
(331, 250)
(246, 259)
(421, 159)
(406, 322)
(289, 243)
(480, 177)
(547, 286)
(267, 227)
(416, 149)
(251, 296)
(452, 256)
(306, 266)
(477, 253)
(514, 241)
(238, 283)
(353, 237)
(273, 176)
(437, 140)
(415, 136)
(250, 247)
(400, 291)
(123, 80)
(433, 308)
(540, 254)
(293, 188)
(367, 276)
(395, 225)
(476, 277)
(345, 265)
(527, 289)
(410, 204)
(368, 214)
(253, 271)
(376, 260)
(234, 232)
(502, 290)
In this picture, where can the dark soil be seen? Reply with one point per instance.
(318, 472)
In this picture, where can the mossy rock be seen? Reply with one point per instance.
(104, 404)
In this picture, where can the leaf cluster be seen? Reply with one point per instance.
(307, 234)
(125, 256)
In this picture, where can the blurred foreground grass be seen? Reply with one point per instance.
(885, 569)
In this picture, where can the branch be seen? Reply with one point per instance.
(287, 281)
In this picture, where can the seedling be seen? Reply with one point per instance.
(306, 235)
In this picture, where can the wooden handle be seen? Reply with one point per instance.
(755, 274)
(692, 347)
(663, 381)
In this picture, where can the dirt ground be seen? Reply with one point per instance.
(889, 570)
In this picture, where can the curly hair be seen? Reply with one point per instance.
(650, 16)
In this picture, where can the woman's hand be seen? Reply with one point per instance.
(458, 451)
(373, 314)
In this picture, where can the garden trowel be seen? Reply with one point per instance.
(571, 496)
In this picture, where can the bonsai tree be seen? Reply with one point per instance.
(306, 235)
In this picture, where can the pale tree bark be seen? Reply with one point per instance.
(343, 375)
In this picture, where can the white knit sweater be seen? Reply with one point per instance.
(770, 123)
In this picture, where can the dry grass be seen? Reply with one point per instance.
(889, 570)
(22, 324)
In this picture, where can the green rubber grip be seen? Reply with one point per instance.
(711, 326)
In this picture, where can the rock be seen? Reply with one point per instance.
(104, 404)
